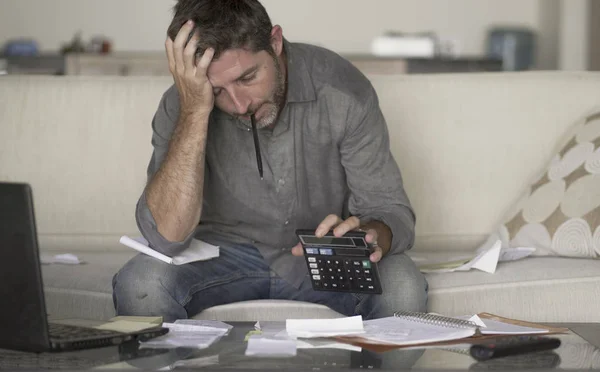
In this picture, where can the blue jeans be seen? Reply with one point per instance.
(147, 286)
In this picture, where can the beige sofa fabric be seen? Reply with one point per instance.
(468, 145)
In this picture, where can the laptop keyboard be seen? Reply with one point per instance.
(60, 332)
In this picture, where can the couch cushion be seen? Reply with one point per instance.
(83, 291)
(535, 289)
(559, 214)
(551, 289)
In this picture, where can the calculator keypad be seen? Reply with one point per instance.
(346, 274)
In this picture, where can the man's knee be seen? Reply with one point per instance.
(142, 285)
(404, 286)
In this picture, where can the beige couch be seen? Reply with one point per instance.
(467, 145)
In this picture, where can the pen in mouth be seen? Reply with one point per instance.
(256, 146)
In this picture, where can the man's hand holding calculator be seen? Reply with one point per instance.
(377, 234)
(342, 257)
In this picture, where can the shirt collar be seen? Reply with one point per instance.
(300, 86)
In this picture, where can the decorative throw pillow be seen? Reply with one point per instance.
(560, 213)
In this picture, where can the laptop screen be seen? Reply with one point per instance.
(23, 313)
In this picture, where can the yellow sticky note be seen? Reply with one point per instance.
(250, 334)
(125, 326)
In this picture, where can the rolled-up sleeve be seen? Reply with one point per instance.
(163, 125)
(373, 176)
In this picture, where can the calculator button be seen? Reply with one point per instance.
(331, 277)
(325, 285)
(371, 287)
(368, 279)
(317, 277)
(356, 263)
(367, 271)
(366, 264)
(317, 283)
(334, 285)
(313, 265)
(312, 259)
(314, 271)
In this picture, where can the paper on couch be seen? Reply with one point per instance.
(197, 251)
(485, 259)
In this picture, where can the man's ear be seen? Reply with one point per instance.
(277, 39)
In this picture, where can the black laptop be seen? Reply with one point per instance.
(23, 318)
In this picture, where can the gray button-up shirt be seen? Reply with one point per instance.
(328, 153)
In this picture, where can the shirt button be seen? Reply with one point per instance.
(281, 182)
(287, 222)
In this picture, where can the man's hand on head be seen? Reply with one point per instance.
(341, 227)
(195, 91)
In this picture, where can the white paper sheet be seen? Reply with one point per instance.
(197, 251)
(308, 328)
(276, 330)
(486, 259)
(267, 347)
(65, 259)
(187, 335)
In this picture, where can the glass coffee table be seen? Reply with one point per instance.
(580, 349)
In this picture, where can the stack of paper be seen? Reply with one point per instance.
(198, 334)
(398, 331)
(494, 327)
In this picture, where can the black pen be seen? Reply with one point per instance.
(256, 146)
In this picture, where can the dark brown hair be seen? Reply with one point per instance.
(225, 24)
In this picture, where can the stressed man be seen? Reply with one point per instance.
(326, 165)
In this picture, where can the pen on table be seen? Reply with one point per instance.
(256, 146)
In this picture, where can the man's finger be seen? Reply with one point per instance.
(179, 44)
(328, 223)
(205, 61)
(297, 250)
(376, 255)
(170, 57)
(190, 52)
(350, 224)
(371, 236)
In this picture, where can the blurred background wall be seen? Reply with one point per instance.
(562, 27)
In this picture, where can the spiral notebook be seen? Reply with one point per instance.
(412, 328)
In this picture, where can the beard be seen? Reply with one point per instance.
(273, 104)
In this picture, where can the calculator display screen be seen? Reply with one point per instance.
(328, 240)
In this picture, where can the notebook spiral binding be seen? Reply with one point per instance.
(437, 320)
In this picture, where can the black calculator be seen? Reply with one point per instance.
(340, 264)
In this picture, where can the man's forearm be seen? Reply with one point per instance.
(174, 195)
